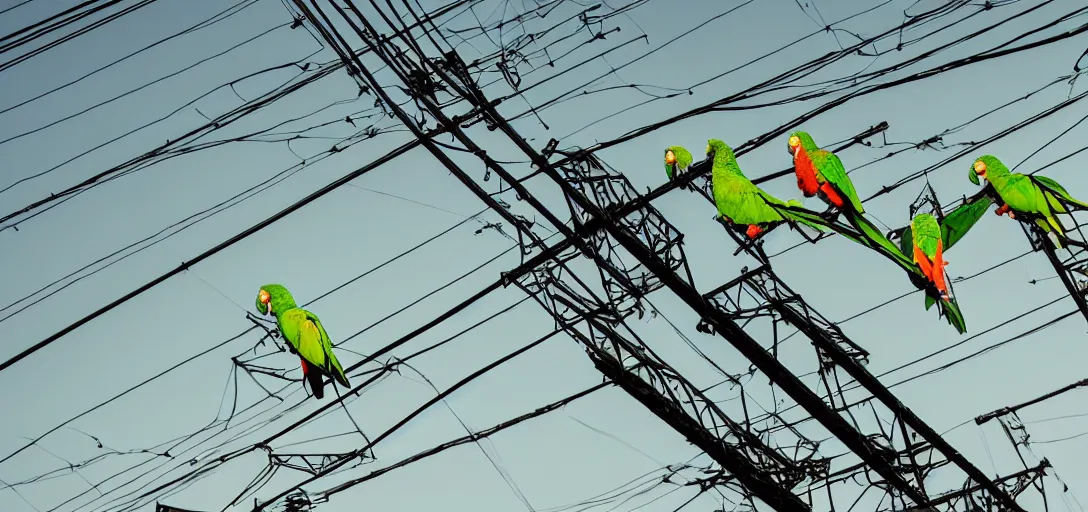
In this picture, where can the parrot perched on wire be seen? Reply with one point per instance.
(1034, 199)
(677, 160)
(305, 337)
(820, 173)
(926, 240)
(739, 200)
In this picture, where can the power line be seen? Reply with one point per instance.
(593, 226)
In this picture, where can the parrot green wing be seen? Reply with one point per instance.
(906, 240)
(335, 369)
(1049, 185)
(737, 198)
(1023, 195)
(303, 330)
(743, 202)
(831, 169)
(958, 222)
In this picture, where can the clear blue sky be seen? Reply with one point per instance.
(594, 446)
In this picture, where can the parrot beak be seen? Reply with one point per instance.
(268, 309)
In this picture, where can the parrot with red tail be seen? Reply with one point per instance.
(925, 241)
(305, 336)
(820, 173)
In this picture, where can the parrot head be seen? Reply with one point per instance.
(715, 148)
(677, 160)
(985, 167)
(799, 140)
(274, 297)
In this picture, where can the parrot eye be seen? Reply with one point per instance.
(264, 297)
(670, 158)
(980, 167)
(795, 141)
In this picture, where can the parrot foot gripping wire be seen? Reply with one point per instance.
(270, 333)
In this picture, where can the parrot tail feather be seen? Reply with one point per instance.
(313, 378)
(341, 378)
(337, 371)
(950, 310)
(792, 216)
(1056, 224)
(872, 237)
(1052, 227)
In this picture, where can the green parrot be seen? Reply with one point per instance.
(305, 336)
(1034, 198)
(739, 200)
(927, 240)
(820, 173)
(677, 160)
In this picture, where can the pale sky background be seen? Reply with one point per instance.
(605, 445)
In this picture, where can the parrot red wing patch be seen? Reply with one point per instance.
(938, 269)
(832, 196)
